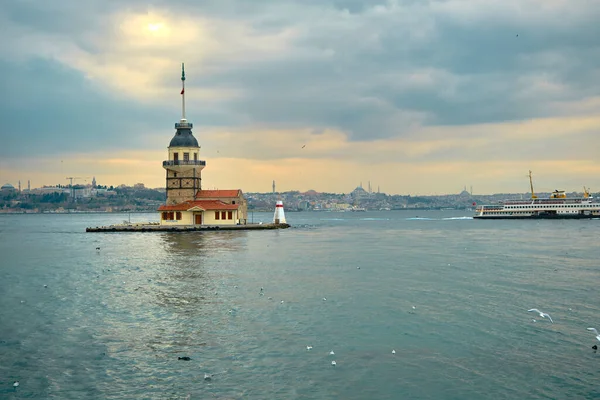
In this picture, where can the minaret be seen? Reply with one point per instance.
(273, 186)
(183, 166)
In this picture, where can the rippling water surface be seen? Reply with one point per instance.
(112, 323)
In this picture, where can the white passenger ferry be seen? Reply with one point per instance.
(557, 206)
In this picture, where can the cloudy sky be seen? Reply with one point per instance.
(415, 96)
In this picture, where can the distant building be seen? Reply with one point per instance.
(7, 188)
(359, 193)
(81, 191)
(50, 189)
(464, 193)
(187, 203)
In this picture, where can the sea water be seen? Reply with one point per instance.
(448, 293)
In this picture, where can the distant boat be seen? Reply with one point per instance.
(357, 209)
(557, 206)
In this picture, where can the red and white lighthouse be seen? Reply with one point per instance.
(279, 217)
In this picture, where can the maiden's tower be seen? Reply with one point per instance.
(187, 203)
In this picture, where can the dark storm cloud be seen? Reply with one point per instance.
(51, 109)
(350, 64)
(492, 59)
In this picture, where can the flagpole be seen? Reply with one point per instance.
(182, 92)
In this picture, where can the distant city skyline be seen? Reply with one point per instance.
(348, 191)
(416, 97)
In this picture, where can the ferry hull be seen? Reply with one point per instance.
(541, 216)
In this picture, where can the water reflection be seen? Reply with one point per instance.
(203, 243)
(186, 282)
(171, 300)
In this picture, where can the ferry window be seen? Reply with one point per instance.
(186, 156)
(222, 214)
(178, 215)
(230, 215)
(217, 215)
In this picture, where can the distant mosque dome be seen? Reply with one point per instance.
(464, 193)
(310, 193)
(7, 186)
(359, 191)
(183, 137)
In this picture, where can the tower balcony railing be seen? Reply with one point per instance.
(184, 125)
(171, 163)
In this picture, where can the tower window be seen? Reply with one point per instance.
(175, 156)
(195, 156)
(186, 156)
(174, 174)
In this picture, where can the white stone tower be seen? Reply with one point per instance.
(279, 217)
(183, 166)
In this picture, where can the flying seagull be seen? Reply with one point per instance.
(542, 314)
(304, 146)
(595, 332)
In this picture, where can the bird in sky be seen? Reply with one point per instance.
(542, 314)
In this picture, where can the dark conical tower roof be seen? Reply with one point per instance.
(184, 136)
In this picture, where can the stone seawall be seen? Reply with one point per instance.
(183, 228)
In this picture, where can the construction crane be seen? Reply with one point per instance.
(533, 196)
(71, 178)
(586, 192)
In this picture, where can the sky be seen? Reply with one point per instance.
(416, 97)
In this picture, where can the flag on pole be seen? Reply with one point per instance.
(182, 90)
